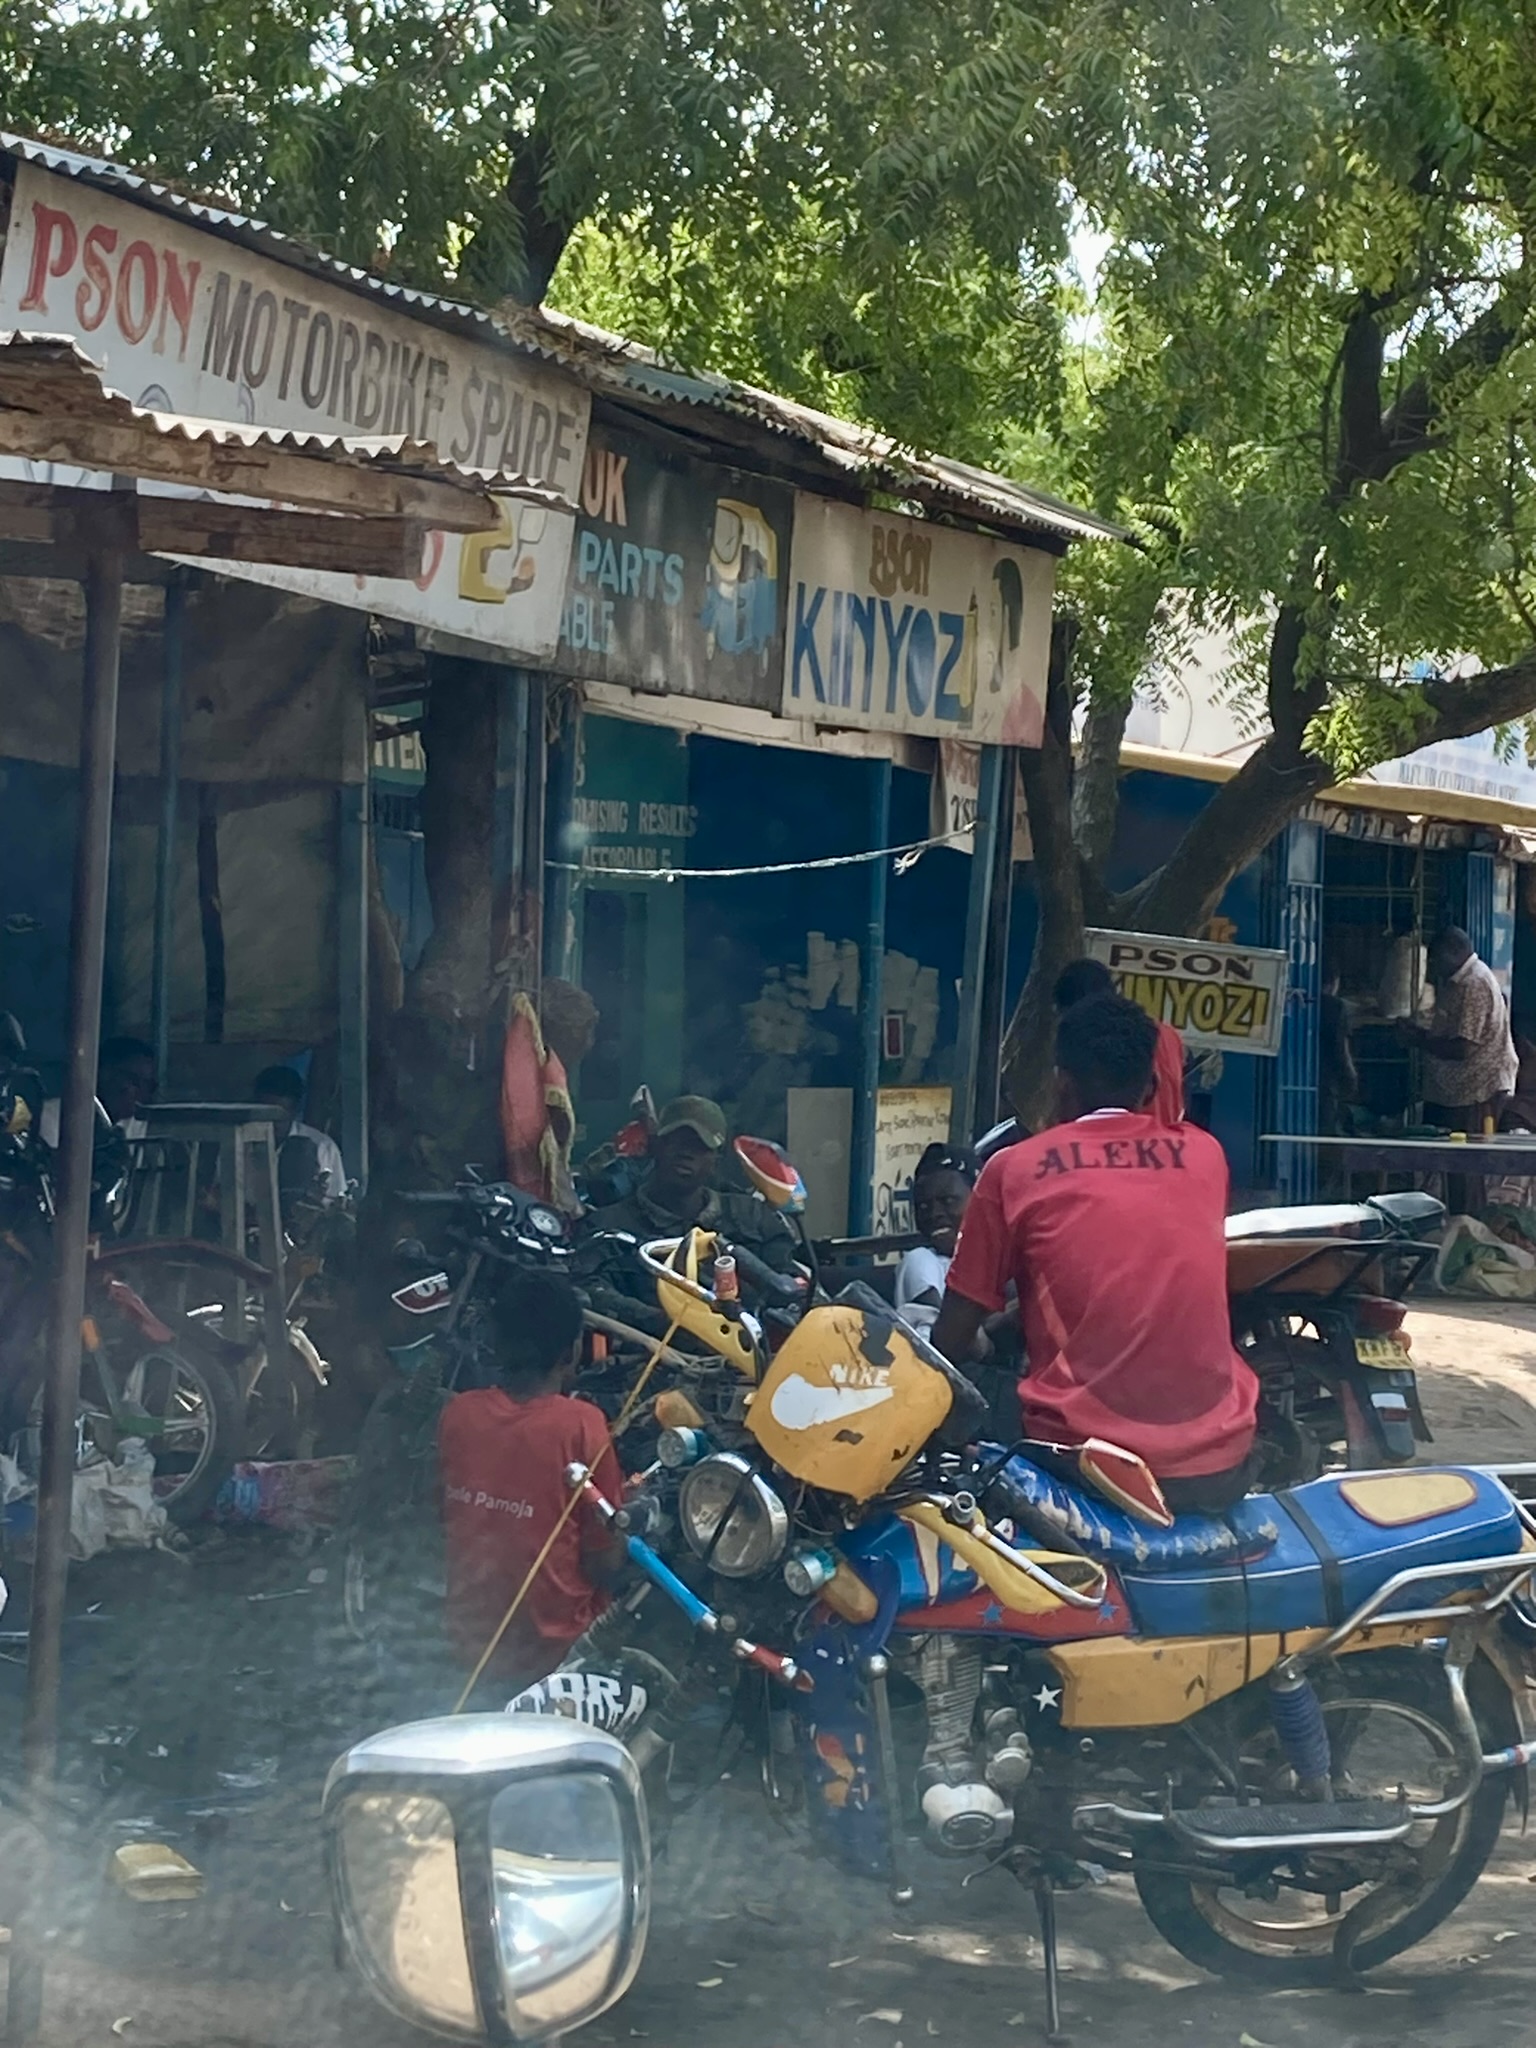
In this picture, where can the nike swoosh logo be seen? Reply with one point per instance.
(796, 1404)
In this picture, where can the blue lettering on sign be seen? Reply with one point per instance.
(945, 704)
(587, 624)
(895, 635)
(922, 655)
(803, 644)
(877, 658)
(628, 571)
(861, 625)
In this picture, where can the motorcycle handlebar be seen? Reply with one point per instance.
(780, 1287)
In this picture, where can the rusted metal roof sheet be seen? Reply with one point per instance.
(55, 408)
(622, 369)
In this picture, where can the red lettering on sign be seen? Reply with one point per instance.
(48, 222)
(180, 290)
(135, 320)
(93, 299)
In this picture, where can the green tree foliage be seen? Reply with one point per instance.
(1300, 374)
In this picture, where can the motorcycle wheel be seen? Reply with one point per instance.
(1376, 1705)
(1317, 1424)
(195, 1410)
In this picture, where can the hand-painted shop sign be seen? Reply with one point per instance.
(676, 577)
(898, 625)
(184, 321)
(1218, 998)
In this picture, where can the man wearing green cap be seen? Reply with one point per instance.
(679, 1194)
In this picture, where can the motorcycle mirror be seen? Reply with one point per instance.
(490, 1873)
(773, 1173)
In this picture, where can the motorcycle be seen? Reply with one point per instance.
(1294, 1727)
(146, 1372)
(1317, 1313)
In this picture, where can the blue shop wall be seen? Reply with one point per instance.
(759, 806)
(756, 806)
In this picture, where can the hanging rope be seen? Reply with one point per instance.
(905, 857)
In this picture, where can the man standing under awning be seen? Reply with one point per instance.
(1470, 1062)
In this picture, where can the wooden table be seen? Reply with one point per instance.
(1477, 1158)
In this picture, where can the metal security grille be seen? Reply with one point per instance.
(1293, 895)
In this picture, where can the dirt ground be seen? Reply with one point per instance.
(206, 1699)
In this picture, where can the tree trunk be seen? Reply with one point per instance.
(1058, 872)
(1096, 788)
(1237, 824)
(436, 1071)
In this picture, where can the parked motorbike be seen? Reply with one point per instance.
(146, 1372)
(1317, 1313)
(1294, 1727)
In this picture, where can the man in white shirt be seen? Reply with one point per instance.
(1470, 1064)
(281, 1089)
(127, 1076)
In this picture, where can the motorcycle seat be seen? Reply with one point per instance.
(1336, 1540)
(1193, 1543)
(1303, 1265)
(1319, 1219)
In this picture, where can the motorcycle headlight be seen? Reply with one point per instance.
(732, 1517)
(545, 1222)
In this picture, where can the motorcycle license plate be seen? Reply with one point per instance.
(1380, 1350)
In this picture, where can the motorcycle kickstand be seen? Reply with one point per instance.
(1045, 1906)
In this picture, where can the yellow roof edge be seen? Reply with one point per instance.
(1407, 799)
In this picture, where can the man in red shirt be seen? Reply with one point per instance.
(1110, 1225)
(1079, 980)
(502, 1455)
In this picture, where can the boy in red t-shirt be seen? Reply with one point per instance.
(1079, 980)
(502, 1454)
(1110, 1226)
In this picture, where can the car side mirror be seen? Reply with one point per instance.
(490, 1873)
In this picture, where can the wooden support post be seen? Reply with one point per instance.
(866, 1101)
(77, 1133)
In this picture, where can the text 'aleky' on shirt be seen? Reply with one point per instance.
(1112, 1229)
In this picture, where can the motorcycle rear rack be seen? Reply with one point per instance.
(1339, 1824)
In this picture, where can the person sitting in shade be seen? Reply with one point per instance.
(281, 1089)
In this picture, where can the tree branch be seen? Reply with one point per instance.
(1473, 703)
(1240, 820)
(1096, 787)
(1411, 425)
(1047, 778)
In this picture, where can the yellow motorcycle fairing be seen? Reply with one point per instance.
(848, 1402)
(1015, 1588)
(684, 1302)
(1150, 1682)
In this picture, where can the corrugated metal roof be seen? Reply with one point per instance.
(609, 363)
(49, 380)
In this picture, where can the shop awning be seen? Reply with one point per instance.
(363, 504)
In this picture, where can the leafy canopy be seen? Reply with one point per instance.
(1301, 371)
